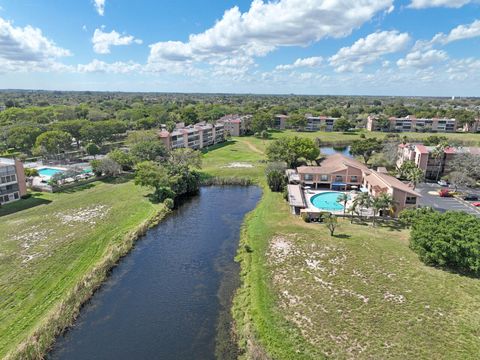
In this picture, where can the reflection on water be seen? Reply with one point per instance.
(162, 301)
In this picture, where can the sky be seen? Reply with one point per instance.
(318, 47)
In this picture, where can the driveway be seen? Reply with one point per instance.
(444, 203)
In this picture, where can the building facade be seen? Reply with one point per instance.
(280, 121)
(433, 163)
(194, 137)
(339, 172)
(12, 180)
(411, 123)
(316, 123)
(235, 125)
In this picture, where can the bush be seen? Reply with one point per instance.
(305, 217)
(276, 178)
(169, 203)
(26, 196)
(450, 239)
(31, 172)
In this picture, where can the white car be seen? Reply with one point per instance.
(442, 183)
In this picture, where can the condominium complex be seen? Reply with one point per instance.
(280, 121)
(12, 180)
(315, 123)
(473, 127)
(433, 163)
(235, 125)
(339, 172)
(195, 136)
(411, 123)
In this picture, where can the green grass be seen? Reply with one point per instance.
(363, 294)
(53, 255)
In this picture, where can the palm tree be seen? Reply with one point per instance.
(415, 175)
(387, 201)
(438, 154)
(363, 201)
(377, 205)
(343, 198)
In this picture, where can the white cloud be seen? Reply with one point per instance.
(422, 4)
(368, 50)
(459, 33)
(422, 59)
(119, 67)
(99, 6)
(266, 26)
(309, 62)
(463, 69)
(26, 48)
(102, 41)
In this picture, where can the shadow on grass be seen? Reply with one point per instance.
(342, 236)
(75, 189)
(21, 205)
(217, 146)
(124, 178)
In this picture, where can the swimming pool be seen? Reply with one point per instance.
(48, 171)
(327, 201)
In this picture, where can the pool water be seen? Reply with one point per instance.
(327, 201)
(48, 171)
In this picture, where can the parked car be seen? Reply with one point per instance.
(476, 204)
(442, 183)
(444, 193)
(470, 197)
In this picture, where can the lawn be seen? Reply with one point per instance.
(50, 242)
(361, 294)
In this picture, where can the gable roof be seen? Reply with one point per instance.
(333, 163)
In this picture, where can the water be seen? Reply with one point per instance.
(162, 301)
(329, 150)
(49, 171)
(327, 201)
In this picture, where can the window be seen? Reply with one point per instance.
(338, 178)
(411, 200)
(324, 177)
(354, 178)
(308, 177)
(16, 196)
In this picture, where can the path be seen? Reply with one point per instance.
(251, 146)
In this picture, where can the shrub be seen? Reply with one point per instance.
(31, 172)
(305, 217)
(26, 196)
(450, 239)
(276, 178)
(169, 203)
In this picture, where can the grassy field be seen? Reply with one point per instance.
(361, 294)
(54, 248)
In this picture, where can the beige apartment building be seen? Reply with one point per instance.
(235, 125)
(12, 180)
(339, 172)
(195, 136)
(316, 123)
(411, 123)
(280, 121)
(424, 158)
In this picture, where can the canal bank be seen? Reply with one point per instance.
(166, 297)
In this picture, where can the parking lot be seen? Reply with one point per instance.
(445, 203)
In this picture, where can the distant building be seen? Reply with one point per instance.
(12, 180)
(280, 121)
(339, 172)
(194, 137)
(316, 123)
(423, 157)
(473, 127)
(411, 123)
(235, 125)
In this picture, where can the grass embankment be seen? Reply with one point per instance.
(55, 254)
(362, 294)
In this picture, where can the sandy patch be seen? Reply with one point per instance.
(239, 165)
(89, 215)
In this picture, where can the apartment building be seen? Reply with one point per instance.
(195, 136)
(280, 121)
(411, 123)
(473, 127)
(339, 172)
(316, 123)
(235, 125)
(12, 180)
(426, 158)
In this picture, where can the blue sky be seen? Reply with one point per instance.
(357, 47)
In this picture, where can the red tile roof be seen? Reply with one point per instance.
(422, 149)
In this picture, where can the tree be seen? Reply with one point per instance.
(376, 205)
(275, 173)
(386, 201)
(135, 137)
(291, 149)
(459, 178)
(438, 154)
(108, 167)
(405, 169)
(365, 148)
(186, 157)
(150, 174)
(73, 127)
(148, 151)
(363, 201)
(261, 121)
(415, 175)
(22, 137)
(297, 121)
(332, 223)
(124, 159)
(468, 164)
(342, 124)
(383, 123)
(433, 140)
(447, 239)
(101, 131)
(343, 198)
(92, 149)
(53, 142)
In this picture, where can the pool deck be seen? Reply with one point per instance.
(309, 193)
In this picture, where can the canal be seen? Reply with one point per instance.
(166, 298)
